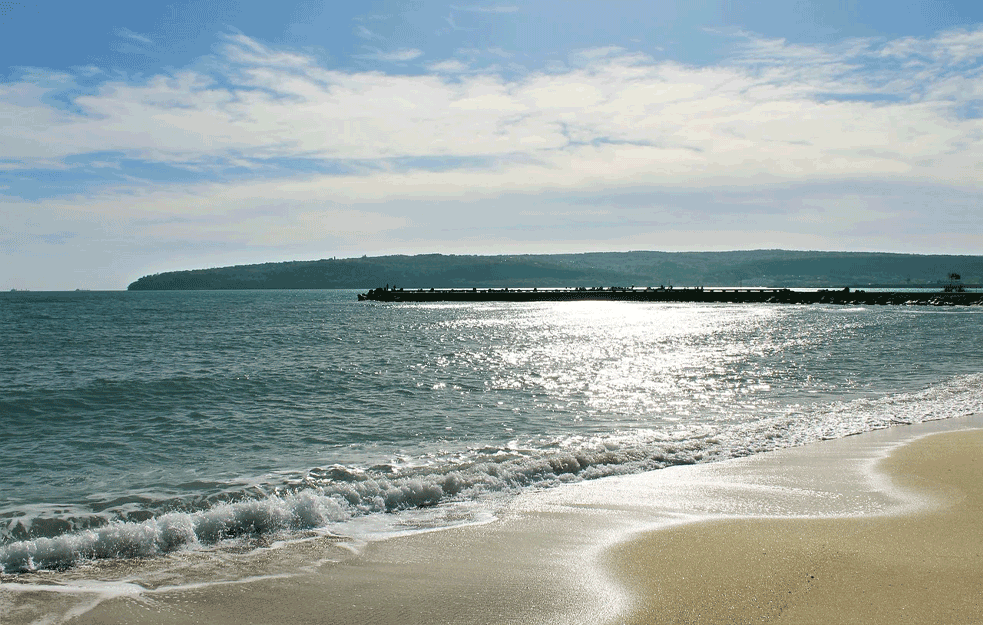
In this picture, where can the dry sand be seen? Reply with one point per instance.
(925, 567)
(575, 555)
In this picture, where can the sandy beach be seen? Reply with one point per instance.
(923, 567)
(878, 528)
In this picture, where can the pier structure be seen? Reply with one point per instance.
(676, 294)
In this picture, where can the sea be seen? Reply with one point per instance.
(142, 424)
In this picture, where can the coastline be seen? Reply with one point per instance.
(807, 529)
(919, 567)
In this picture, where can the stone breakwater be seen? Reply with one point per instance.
(688, 295)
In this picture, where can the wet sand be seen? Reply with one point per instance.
(873, 528)
(925, 567)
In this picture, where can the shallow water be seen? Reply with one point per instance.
(138, 423)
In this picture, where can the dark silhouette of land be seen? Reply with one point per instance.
(689, 295)
(765, 268)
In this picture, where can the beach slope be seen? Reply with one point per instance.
(884, 527)
(925, 567)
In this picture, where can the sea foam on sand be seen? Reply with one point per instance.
(922, 566)
(874, 523)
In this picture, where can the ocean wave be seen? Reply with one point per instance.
(323, 496)
(173, 531)
(335, 494)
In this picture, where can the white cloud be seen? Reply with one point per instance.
(450, 66)
(454, 152)
(365, 33)
(595, 54)
(392, 56)
(256, 214)
(955, 47)
(129, 34)
(766, 114)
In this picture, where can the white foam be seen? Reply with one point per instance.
(338, 495)
(173, 531)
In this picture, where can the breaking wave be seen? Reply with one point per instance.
(330, 496)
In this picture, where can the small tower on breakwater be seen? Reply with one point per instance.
(954, 285)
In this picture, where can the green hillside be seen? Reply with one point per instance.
(775, 268)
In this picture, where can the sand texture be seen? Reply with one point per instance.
(807, 535)
(925, 567)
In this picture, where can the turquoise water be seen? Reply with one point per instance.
(138, 423)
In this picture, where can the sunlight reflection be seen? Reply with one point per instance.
(631, 363)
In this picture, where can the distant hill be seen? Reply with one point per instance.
(774, 268)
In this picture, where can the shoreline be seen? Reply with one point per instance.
(583, 553)
(920, 567)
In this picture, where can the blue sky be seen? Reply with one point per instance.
(145, 137)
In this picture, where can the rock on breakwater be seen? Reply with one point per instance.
(685, 294)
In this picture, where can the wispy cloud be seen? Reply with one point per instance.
(134, 36)
(453, 25)
(392, 56)
(450, 66)
(773, 110)
(365, 33)
(410, 150)
(486, 9)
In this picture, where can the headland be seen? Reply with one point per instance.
(797, 269)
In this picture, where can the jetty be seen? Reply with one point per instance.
(844, 296)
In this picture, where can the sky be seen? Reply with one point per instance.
(142, 137)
